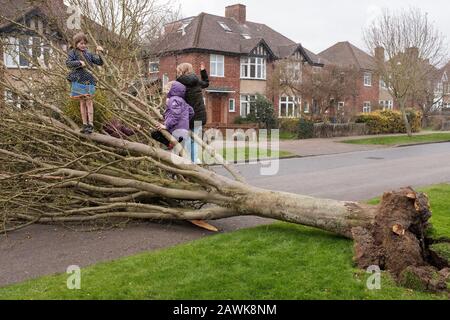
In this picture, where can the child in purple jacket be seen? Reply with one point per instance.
(177, 116)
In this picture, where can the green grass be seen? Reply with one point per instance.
(245, 154)
(404, 139)
(288, 136)
(280, 261)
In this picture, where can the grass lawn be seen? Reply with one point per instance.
(279, 261)
(404, 139)
(246, 154)
(288, 136)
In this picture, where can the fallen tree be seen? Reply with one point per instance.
(52, 173)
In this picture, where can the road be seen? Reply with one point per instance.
(41, 250)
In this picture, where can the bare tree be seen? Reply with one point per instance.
(52, 173)
(407, 46)
(327, 85)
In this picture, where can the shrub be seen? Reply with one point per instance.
(101, 113)
(389, 121)
(288, 125)
(305, 129)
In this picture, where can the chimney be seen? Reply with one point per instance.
(237, 12)
(379, 54)
(413, 53)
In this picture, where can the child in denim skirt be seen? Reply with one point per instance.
(83, 83)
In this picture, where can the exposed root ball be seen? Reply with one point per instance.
(397, 242)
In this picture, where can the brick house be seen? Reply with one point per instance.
(442, 92)
(240, 56)
(373, 94)
(20, 48)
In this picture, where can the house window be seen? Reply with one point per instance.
(11, 52)
(306, 107)
(289, 107)
(154, 67)
(367, 107)
(248, 105)
(253, 68)
(21, 52)
(12, 99)
(341, 105)
(383, 84)
(217, 65)
(225, 27)
(367, 79)
(232, 105)
(293, 72)
(246, 36)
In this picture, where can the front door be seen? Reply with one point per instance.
(216, 106)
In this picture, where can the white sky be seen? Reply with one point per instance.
(318, 24)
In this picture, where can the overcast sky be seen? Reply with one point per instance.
(318, 24)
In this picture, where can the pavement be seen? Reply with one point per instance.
(348, 175)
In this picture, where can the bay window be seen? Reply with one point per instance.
(253, 68)
(22, 51)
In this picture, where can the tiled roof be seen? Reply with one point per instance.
(204, 32)
(345, 54)
(13, 10)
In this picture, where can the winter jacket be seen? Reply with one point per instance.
(178, 112)
(79, 74)
(194, 96)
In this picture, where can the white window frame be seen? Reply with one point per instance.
(152, 63)
(232, 105)
(225, 26)
(306, 107)
(11, 55)
(246, 101)
(217, 65)
(383, 84)
(14, 55)
(367, 107)
(259, 64)
(289, 102)
(367, 79)
(341, 105)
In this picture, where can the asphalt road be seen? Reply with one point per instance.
(40, 250)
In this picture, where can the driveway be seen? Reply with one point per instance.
(40, 250)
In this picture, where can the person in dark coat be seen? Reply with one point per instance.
(117, 129)
(176, 117)
(83, 83)
(194, 97)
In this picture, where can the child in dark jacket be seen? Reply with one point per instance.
(194, 97)
(177, 116)
(83, 82)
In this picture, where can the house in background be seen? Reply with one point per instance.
(22, 48)
(442, 92)
(373, 93)
(240, 56)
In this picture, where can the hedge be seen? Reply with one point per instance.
(101, 113)
(388, 121)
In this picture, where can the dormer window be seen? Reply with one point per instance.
(224, 26)
(246, 36)
(183, 26)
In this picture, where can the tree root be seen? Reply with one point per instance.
(397, 242)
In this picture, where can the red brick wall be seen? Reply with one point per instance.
(372, 94)
(231, 80)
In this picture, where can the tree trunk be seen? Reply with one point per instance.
(405, 118)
